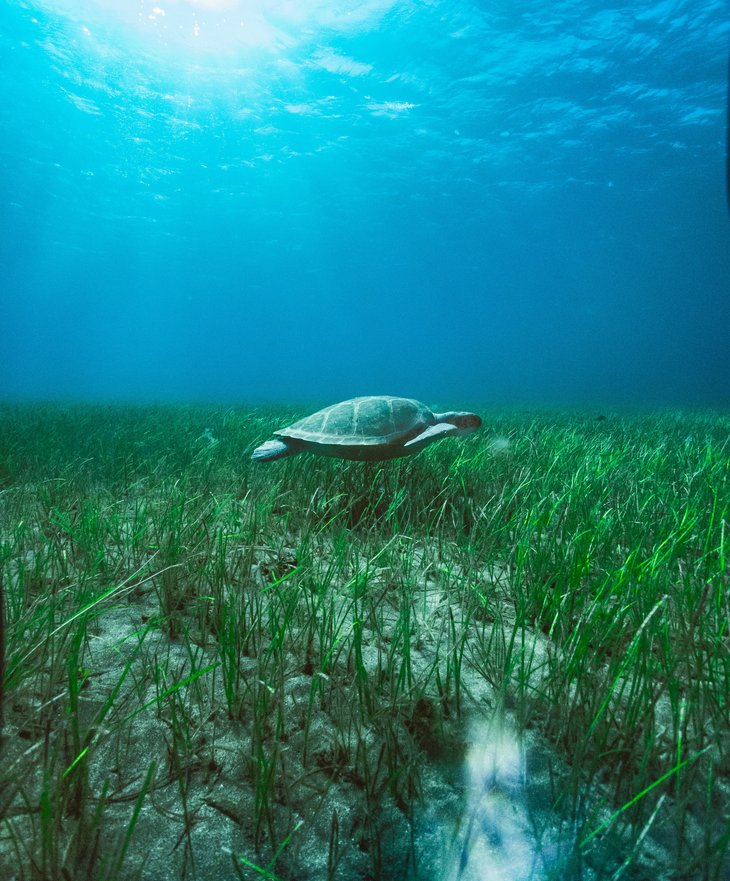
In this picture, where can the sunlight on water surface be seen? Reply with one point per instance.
(223, 26)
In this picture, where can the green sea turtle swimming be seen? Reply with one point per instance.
(369, 429)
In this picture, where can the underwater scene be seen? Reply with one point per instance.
(364, 440)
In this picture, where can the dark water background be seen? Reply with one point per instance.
(459, 201)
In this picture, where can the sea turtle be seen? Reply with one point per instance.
(367, 429)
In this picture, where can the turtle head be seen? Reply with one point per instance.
(465, 422)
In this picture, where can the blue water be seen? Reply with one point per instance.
(498, 202)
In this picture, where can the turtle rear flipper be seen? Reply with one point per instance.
(272, 449)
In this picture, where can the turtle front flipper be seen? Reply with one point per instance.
(429, 435)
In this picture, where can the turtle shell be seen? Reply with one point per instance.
(368, 421)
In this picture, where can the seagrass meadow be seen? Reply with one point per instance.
(216, 669)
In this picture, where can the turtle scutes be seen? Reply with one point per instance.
(367, 429)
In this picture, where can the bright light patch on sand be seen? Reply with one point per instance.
(495, 840)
